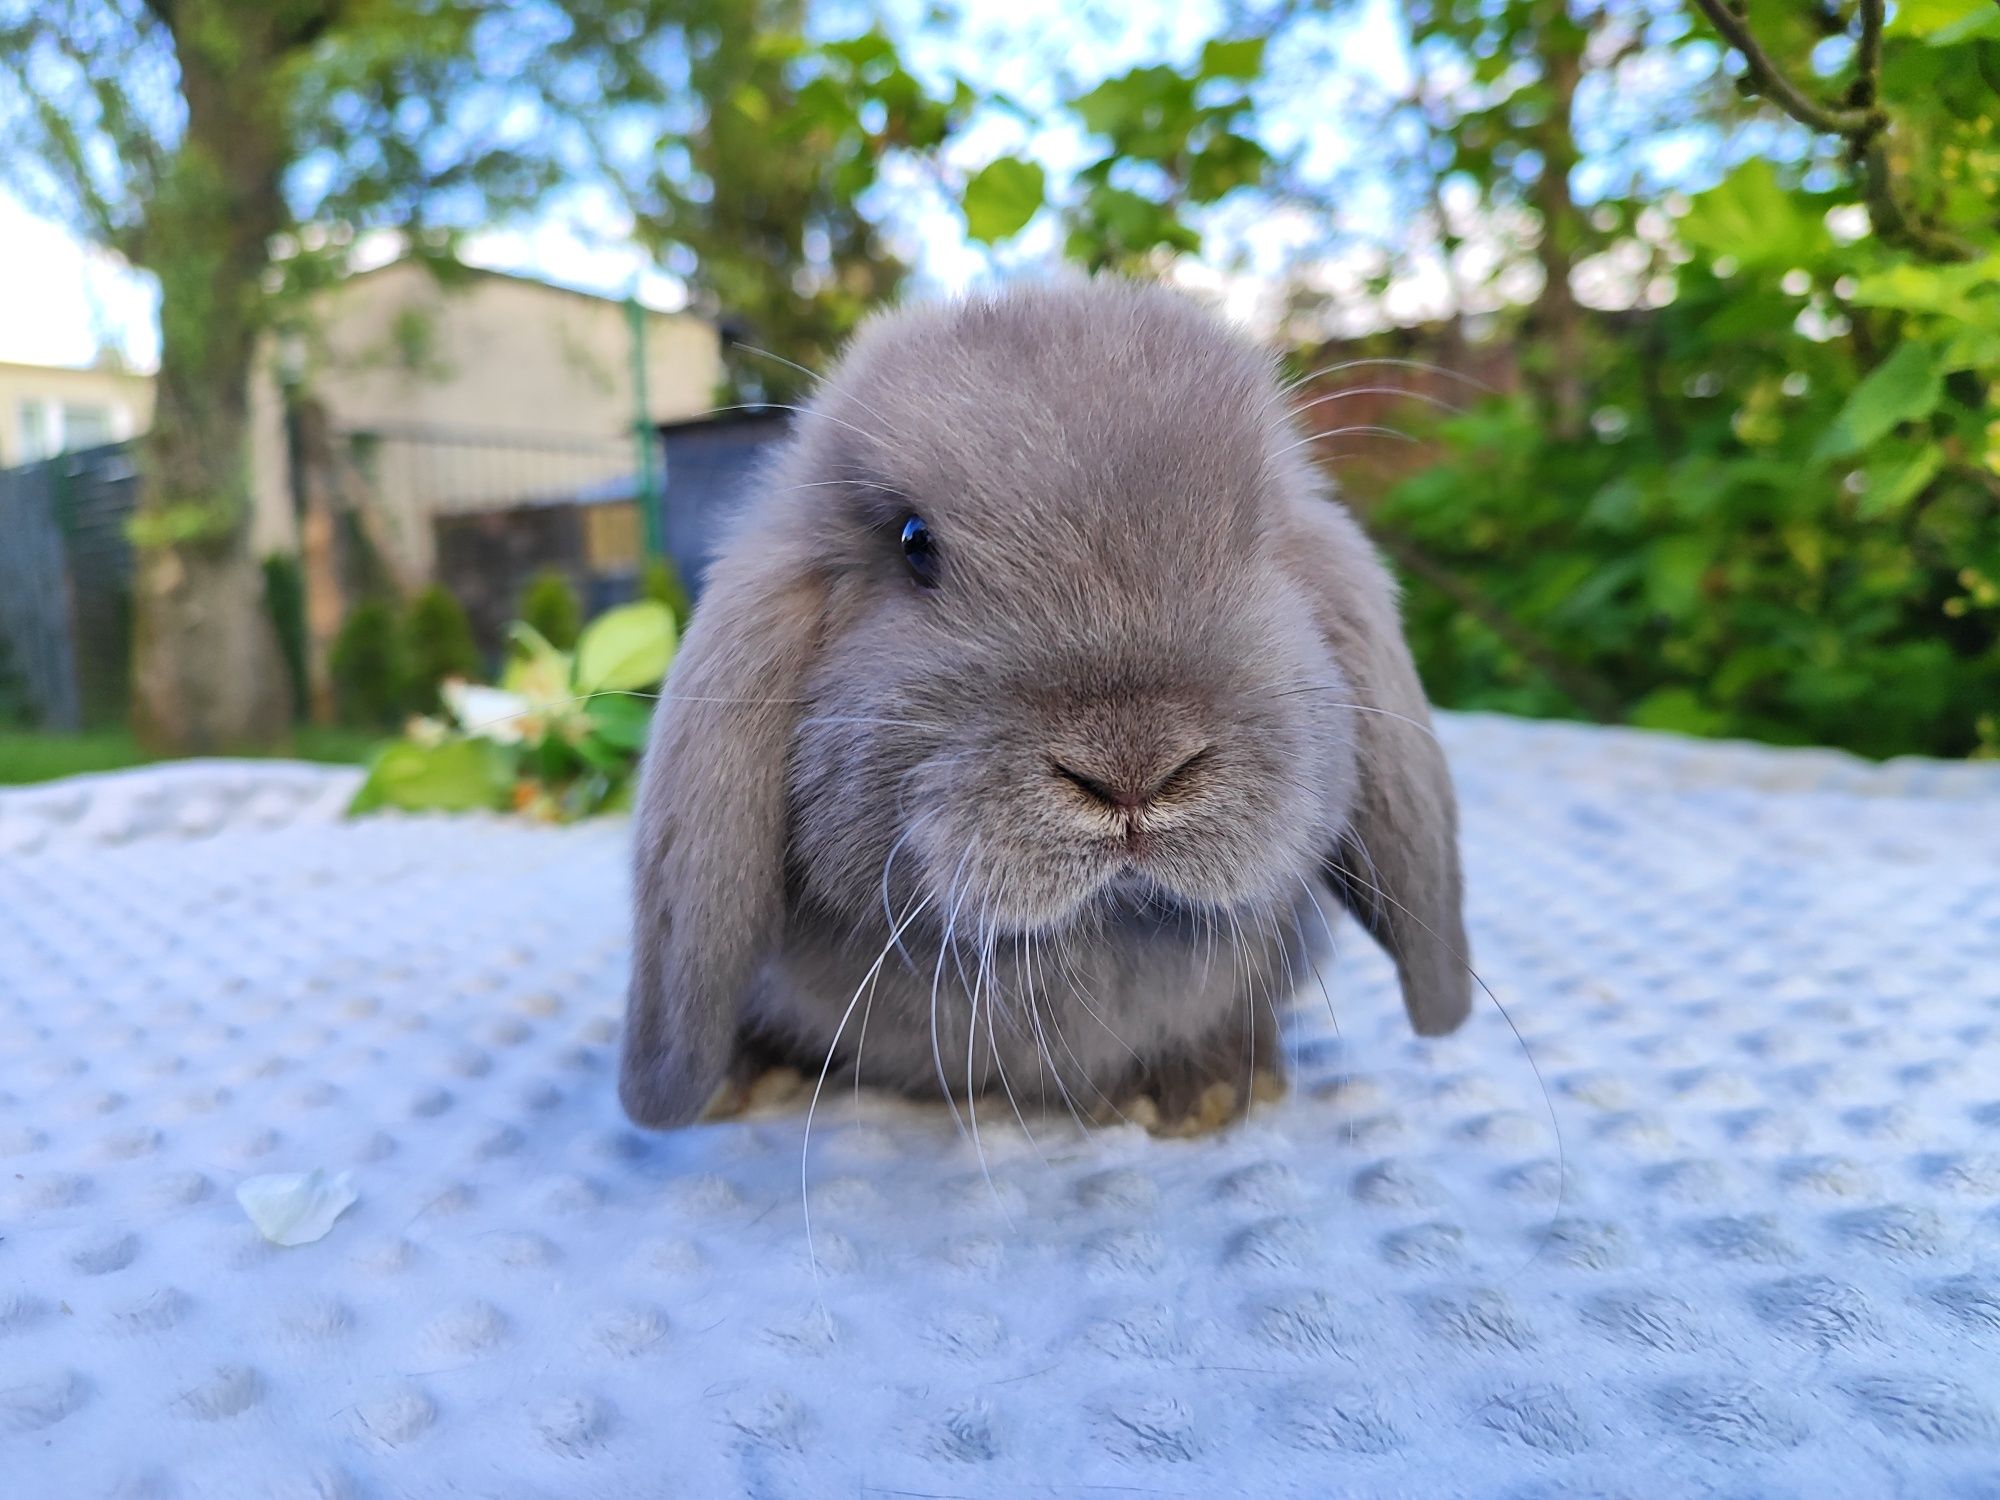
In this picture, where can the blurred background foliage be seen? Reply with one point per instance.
(1751, 486)
(1687, 312)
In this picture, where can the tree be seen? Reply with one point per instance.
(760, 199)
(1748, 479)
(237, 149)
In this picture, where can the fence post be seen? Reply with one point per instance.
(313, 497)
(642, 432)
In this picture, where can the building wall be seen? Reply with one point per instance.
(47, 409)
(533, 382)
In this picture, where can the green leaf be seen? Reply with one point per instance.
(1678, 709)
(1675, 566)
(1898, 477)
(1904, 387)
(1972, 349)
(1002, 196)
(1948, 291)
(1153, 99)
(1754, 218)
(605, 758)
(1945, 23)
(456, 776)
(620, 721)
(1242, 58)
(1228, 162)
(626, 649)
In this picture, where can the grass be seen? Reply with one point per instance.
(28, 755)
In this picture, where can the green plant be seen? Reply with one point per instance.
(558, 739)
(1174, 139)
(1783, 519)
(661, 582)
(369, 666)
(440, 646)
(551, 609)
(285, 597)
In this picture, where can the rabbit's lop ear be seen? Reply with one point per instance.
(1396, 867)
(708, 861)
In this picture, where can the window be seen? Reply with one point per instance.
(45, 428)
(86, 427)
(37, 439)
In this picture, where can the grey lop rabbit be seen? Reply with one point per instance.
(1030, 699)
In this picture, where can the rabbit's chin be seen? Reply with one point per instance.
(1132, 901)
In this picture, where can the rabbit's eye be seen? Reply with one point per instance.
(919, 552)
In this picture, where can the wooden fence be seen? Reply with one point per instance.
(65, 593)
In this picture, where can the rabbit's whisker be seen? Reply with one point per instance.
(1333, 951)
(1055, 1022)
(972, 1093)
(902, 949)
(1363, 428)
(952, 901)
(791, 364)
(865, 719)
(1377, 390)
(1548, 1099)
(816, 377)
(803, 411)
(999, 1062)
(1041, 1035)
(1362, 708)
(868, 980)
(1421, 366)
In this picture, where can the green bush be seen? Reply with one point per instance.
(370, 667)
(552, 610)
(661, 582)
(285, 597)
(439, 645)
(1773, 530)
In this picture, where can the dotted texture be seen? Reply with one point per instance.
(1740, 1237)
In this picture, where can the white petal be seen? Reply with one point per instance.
(489, 712)
(295, 1208)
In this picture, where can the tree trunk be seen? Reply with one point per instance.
(207, 671)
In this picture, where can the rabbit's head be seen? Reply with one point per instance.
(1042, 620)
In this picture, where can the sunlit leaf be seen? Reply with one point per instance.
(1676, 708)
(1001, 197)
(1753, 218)
(1904, 387)
(1944, 23)
(626, 649)
(457, 776)
(1242, 58)
(1896, 478)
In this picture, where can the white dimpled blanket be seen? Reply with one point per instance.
(1723, 1218)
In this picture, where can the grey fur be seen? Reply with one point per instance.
(1137, 565)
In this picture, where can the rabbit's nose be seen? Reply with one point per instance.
(1129, 788)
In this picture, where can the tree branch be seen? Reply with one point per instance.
(1892, 223)
(1768, 79)
(1863, 126)
(1868, 59)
